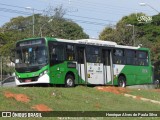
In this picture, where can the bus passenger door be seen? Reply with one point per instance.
(107, 67)
(81, 66)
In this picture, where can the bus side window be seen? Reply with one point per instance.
(80, 55)
(118, 56)
(142, 58)
(93, 54)
(130, 57)
(69, 56)
(56, 52)
(52, 52)
(70, 52)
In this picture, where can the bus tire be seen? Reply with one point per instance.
(69, 81)
(121, 81)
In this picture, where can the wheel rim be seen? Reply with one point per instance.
(69, 82)
(121, 83)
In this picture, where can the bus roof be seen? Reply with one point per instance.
(93, 41)
(90, 42)
(129, 47)
(100, 43)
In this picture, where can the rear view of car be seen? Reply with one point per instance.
(9, 82)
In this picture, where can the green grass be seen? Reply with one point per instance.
(147, 93)
(78, 99)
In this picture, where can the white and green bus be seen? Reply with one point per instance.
(55, 61)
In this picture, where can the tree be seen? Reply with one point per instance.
(108, 34)
(67, 29)
(20, 27)
(3, 39)
(122, 32)
(5, 49)
(50, 24)
(5, 44)
(147, 34)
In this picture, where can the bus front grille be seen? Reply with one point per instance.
(25, 80)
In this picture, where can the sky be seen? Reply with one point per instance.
(92, 15)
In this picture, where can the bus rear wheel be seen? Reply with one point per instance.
(69, 82)
(121, 81)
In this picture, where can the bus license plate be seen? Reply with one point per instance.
(28, 80)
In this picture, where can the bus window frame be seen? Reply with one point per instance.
(73, 58)
(99, 59)
(77, 46)
(110, 51)
(142, 63)
(53, 43)
(134, 59)
(122, 60)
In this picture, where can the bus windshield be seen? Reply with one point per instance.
(31, 56)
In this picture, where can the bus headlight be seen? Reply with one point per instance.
(43, 73)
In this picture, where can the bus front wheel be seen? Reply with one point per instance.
(69, 82)
(122, 81)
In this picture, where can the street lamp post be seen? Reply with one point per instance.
(145, 4)
(33, 19)
(133, 33)
(43, 26)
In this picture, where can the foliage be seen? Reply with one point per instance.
(5, 49)
(66, 29)
(51, 24)
(3, 39)
(108, 34)
(147, 34)
(122, 33)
